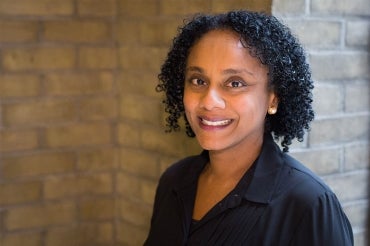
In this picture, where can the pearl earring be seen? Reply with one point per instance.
(272, 110)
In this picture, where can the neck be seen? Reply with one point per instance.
(234, 162)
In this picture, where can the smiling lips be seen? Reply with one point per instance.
(215, 122)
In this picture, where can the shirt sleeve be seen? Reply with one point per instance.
(324, 224)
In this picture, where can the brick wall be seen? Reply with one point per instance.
(336, 35)
(59, 113)
(81, 126)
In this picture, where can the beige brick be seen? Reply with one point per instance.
(147, 192)
(2, 216)
(357, 33)
(16, 59)
(158, 32)
(139, 162)
(339, 7)
(135, 213)
(18, 193)
(97, 208)
(136, 58)
(98, 159)
(328, 99)
(140, 109)
(37, 8)
(337, 130)
(126, 31)
(137, 8)
(98, 108)
(173, 7)
(355, 91)
(12, 140)
(78, 84)
(156, 140)
(355, 213)
(78, 31)
(222, 6)
(287, 7)
(128, 84)
(78, 135)
(19, 86)
(129, 134)
(97, 58)
(39, 113)
(349, 186)
(82, 234)
(128, 185)
(357, 156)
(360, 237)
(41, 215)
(23, 166)
(96, 8)
(74, 186)
(340, 65)
(131, 234)
(310, 32)
(321, 161)
(261, 6)
(19, 239)
(18, 31)
(191, 147)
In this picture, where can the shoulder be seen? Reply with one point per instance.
(183, 169)
(301, 183)
(320, 217)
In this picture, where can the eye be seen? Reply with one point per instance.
(197, 81)
(236, 84)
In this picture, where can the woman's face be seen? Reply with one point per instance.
(226, 96)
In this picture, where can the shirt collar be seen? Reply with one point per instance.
(266, 171)
(257, 187)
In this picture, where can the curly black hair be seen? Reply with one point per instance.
(268, 40)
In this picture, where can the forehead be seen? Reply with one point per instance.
(225, 35)
(216, 42)
(222, 48)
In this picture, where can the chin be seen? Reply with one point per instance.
(210, 145)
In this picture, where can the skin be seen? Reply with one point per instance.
(226, 99)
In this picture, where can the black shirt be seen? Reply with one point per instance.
(277, 202)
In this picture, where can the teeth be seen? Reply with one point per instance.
(215, 123)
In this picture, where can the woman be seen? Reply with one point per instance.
(237, 79)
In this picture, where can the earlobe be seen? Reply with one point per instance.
(272, 110)
(273, 104)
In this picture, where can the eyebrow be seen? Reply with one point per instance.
(194, 69)
(226, 71)
(237, 71)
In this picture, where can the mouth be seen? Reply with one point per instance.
(215, 122)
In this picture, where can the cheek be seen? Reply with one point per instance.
(252, 108)
(188, 101)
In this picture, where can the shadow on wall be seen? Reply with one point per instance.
(368, 213)
(368, 179)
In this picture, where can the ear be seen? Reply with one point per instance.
(273, 103)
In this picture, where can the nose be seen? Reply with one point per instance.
(212, 99)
